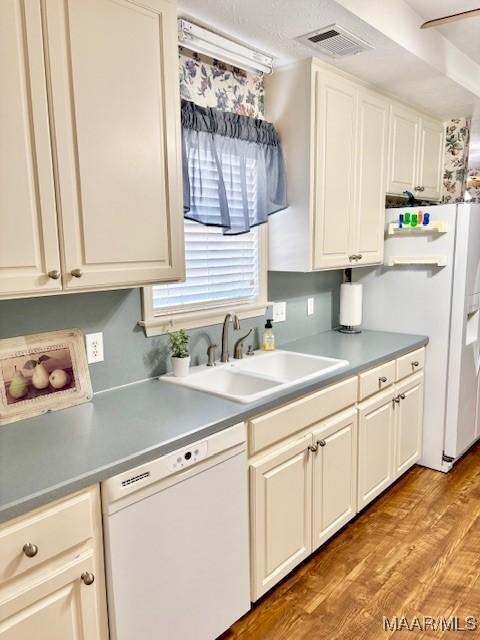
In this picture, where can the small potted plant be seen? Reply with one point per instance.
(178, 346)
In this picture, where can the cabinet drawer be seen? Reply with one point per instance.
(376, 379)
(52, 530)
(285, 421)
(410, 363)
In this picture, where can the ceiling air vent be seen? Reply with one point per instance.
(335, 41)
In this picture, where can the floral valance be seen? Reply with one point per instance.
(233, 169)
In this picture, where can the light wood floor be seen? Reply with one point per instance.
(415, 551)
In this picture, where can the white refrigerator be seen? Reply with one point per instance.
(430, 284)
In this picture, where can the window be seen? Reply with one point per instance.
(222, 273)
(218, 269)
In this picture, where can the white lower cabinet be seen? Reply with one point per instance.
(389, 436)
(301, 494)
(334, 475)
(52, 584)
(408, 424)
(316, 462)
(56, 607)
(281, 513)
(375, 446)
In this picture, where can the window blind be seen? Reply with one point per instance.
(218, 269)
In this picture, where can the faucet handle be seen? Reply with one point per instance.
(211, 355)
(250, 351)
(238, 348)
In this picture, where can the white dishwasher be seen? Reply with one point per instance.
(176, 542)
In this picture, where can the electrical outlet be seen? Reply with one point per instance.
(310, 306)
(279, 313)
(94, 344)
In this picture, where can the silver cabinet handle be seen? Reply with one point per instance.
(352, 257)
(402, 396)
(395, 400)
(359, 256)
(419, 188)
(415, 363)
(54, 275)
(383, 379)
(76, 273)
(312, 448)
(321, 443)
(87, 578)
(30, 550)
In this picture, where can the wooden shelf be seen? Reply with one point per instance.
(438, 226)
(437, 261)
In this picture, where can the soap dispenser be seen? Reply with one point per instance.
(268, 342)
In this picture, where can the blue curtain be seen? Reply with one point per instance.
(233, 169)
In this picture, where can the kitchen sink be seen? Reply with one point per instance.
(258, 376)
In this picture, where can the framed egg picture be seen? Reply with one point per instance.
(42, 372)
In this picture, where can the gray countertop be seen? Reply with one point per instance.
(45, 458)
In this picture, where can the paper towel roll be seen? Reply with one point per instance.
(350, 304)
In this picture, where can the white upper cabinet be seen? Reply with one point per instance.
(113, 101)
(369, 211)
(28, 219)
(404, 125)
(430, 159)
(334, 169)
(336, 135)
(416, 154)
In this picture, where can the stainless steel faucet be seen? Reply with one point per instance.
(236, 325)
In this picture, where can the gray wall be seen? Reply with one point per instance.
(130, 356)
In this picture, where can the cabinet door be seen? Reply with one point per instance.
(408, 423)
(375, 447)
(368, 214)
(280, 513)
(404, 127)
(58, 607)
(334, 160)
(114, 83)
(28, 223)
(334, 475)
(430, 161)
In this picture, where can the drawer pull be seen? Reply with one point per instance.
(87, 578)
(395, 400)
(402, 396)
(54, 275)
(382, 379)
(415, 363)
(76, 273)
(30, 550)
(321, 443)
(313, 448)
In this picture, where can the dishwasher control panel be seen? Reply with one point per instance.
(183, 458)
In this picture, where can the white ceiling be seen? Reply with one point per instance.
(272, 26)
(464, 34)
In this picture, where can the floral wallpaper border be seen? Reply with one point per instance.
(457, 135)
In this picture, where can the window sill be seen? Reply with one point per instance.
(159, 325)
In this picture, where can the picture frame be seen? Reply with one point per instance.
(42, 372)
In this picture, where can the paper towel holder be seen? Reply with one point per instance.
(347, 277)
(348, 329)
